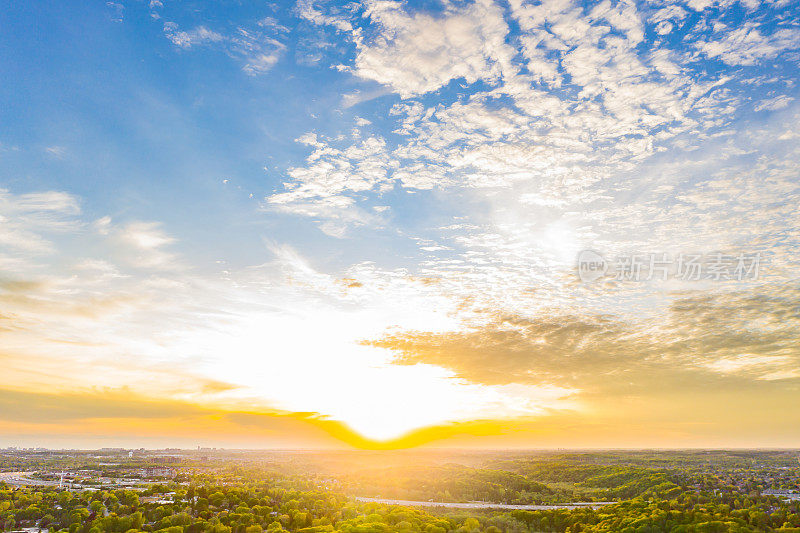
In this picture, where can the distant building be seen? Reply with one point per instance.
(159, 471)
(168, 458)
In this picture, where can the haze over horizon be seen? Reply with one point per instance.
(322, 224)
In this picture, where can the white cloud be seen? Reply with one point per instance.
(774, 103)
(27, 220)
(623, 17)
(594, 137)
(307, 10)
(619, 101)
(667, 17)
(56, 151)
(321, 188)
(144, 245)
(145, 235)
(258, 48)
(260, 63)
(359, 96)
(187, 39)
(259, 52)
(746, 45)
(117, 11)
(419, 53)
(137, 243)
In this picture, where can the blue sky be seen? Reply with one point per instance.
(146, 130)
(396, 192)
(142, 126)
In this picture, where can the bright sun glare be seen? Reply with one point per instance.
(335, 375)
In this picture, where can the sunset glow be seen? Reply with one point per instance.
(322, 224)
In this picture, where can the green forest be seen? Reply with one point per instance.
(251, 495)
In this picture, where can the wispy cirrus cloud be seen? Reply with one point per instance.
(257, 47)
(188, 39)
(28, 219)
(747, 45)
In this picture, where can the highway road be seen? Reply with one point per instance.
(486, 505)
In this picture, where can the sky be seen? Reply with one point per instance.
(388, 224)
